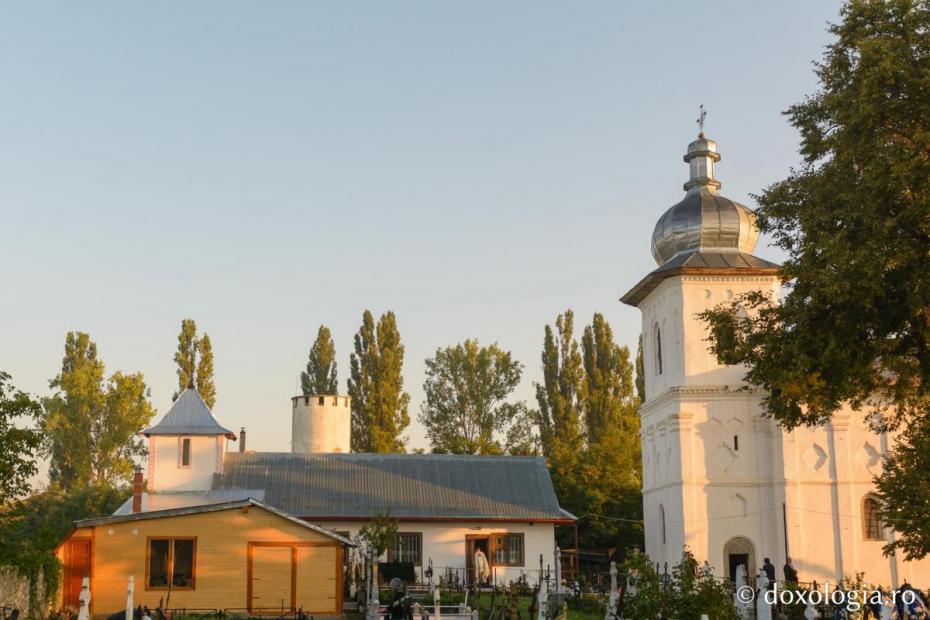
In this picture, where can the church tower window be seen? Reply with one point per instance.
(658, 350)
(872, 526)
(185, 452)
(662, 519)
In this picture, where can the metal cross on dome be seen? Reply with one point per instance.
(700, 120)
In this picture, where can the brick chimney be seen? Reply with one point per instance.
(242, 439)
(137, 490)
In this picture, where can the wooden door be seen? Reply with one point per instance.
(77, 564)
(271, 574)
(319, 572)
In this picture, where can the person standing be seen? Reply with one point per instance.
(791, 575)
(482, 568)
(769, 569)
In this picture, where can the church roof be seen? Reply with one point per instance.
(701, 263)
(704, 220)
(189, 415)
(409, 486)
(705, 233)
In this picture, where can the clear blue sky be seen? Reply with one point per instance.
(477, 167)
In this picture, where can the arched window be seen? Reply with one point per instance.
(872, 526)
(658, 350)
(662, 522)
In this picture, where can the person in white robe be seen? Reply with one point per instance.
(482, 568)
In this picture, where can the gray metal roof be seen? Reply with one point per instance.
(170, 500)
(700, 262)
(190, 510)
(189, 415)
(409, 486)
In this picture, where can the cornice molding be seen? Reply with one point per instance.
(704, 392)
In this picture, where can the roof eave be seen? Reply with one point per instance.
(638, 293)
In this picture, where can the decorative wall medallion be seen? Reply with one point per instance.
(738, 506)
(814, 457)
(867, 456)
(724, 457)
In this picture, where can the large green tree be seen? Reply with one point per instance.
(320, 375)
(466, 409)
(376, 385)
(194, 358)
(854, 221)
(20, 440)
(91, 423)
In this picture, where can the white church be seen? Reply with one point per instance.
(718, 477)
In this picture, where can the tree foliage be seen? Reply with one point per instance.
(589, 428)
(194, 359)
(320, 375)
(559, 415)
(204, 381)
(31, 529)
(20, 441)
(90, 423)
(854, 221)
(609, 402)
(380, 533)
(691, 591)
(376, 385)
(466, 409)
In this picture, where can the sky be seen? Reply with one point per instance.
(476, 167)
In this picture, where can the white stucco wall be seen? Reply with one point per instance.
(165, 472)
(722, 471)
(444, 543)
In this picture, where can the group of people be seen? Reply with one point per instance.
(791, 574)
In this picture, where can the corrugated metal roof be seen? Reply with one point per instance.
(171, 500)
(189, 415)
(190, 510)
(423, 486)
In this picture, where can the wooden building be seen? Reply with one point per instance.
(233, 555)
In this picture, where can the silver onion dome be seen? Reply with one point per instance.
(704, 220)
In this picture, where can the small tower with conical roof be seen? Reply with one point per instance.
(704, 445)
(186, 447)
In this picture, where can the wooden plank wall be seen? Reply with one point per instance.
(222, 560)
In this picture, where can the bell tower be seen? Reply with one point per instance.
(705, 447)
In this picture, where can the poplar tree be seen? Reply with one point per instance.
(320, 375)
(186, 355)
(91, 424)
(194, 359)
(376, 385)
(204, 381)
(589, 429)
(559, 415)
(853, 328)
(608, 398)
